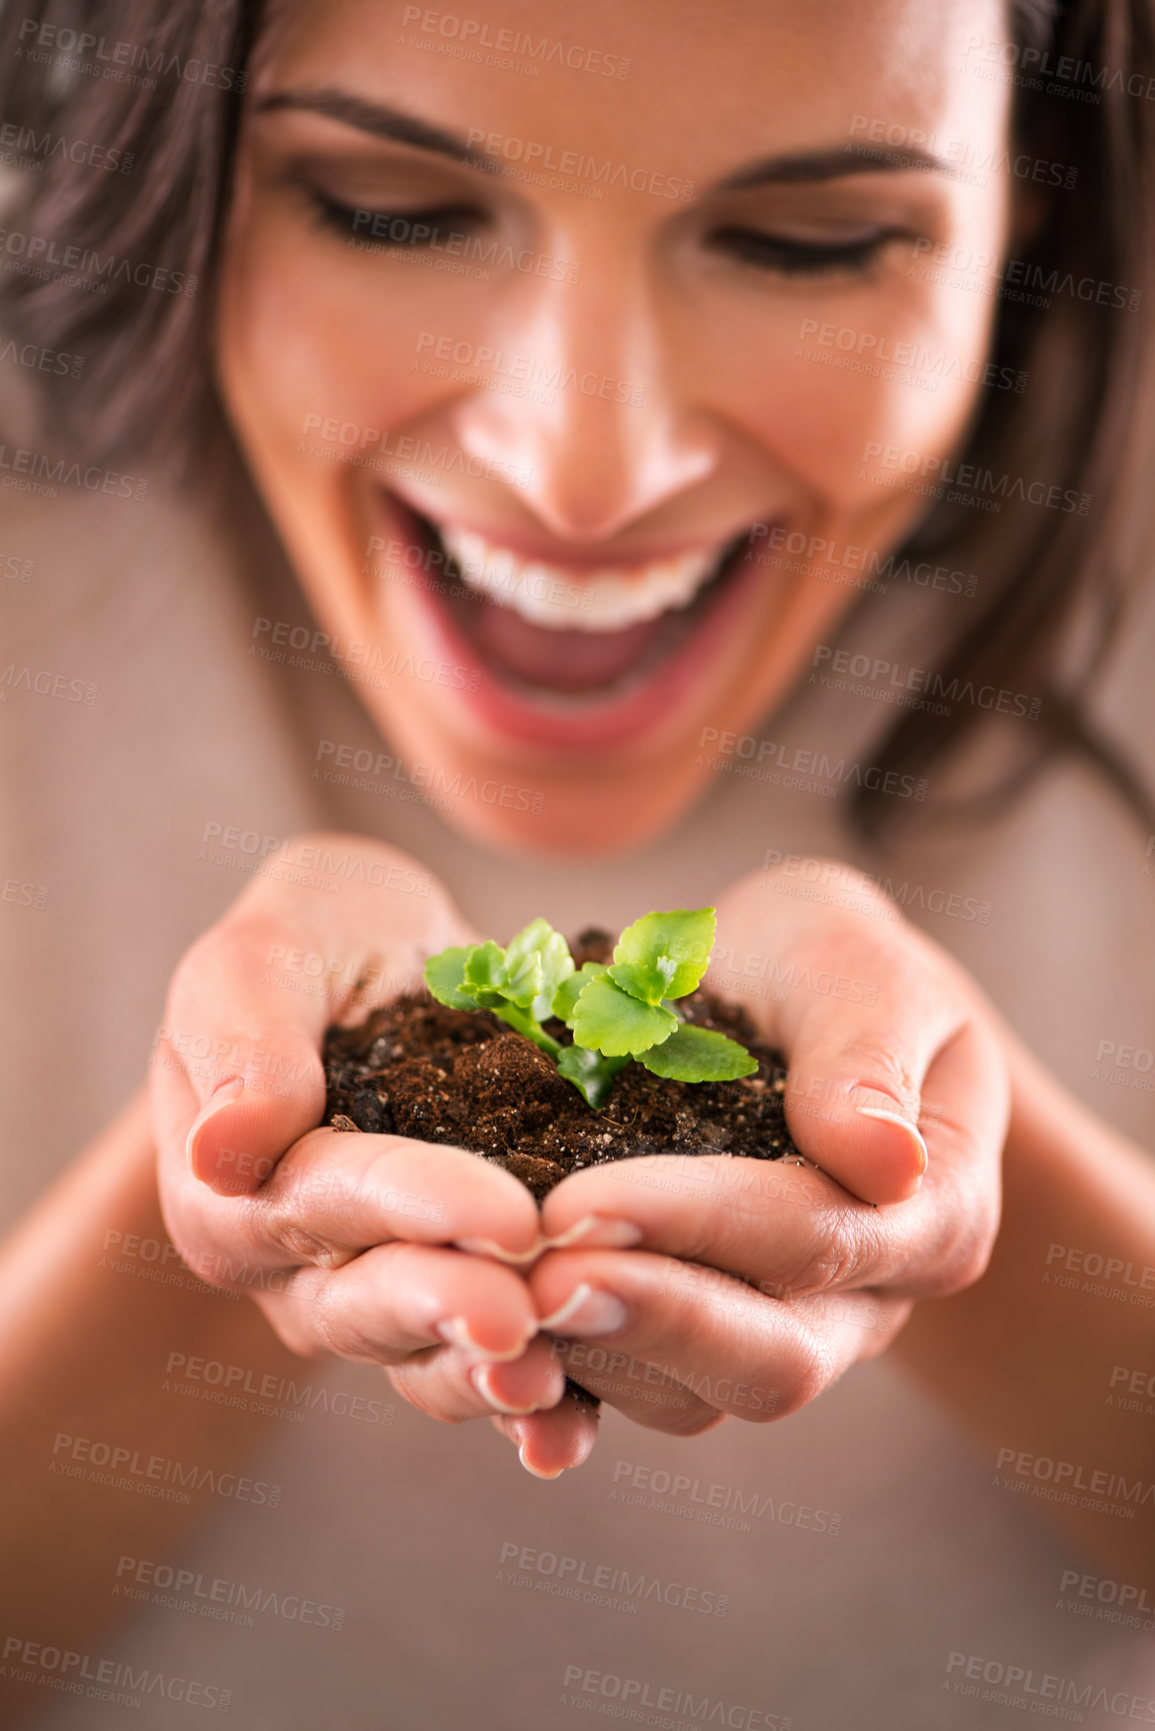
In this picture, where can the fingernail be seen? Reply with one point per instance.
(536, 1471)
(587, 1311)
(912, 1130)
(224, 1094)
(480, 1376)
(489, 1247)
(455, 1330)
(597, 1232)
(337, 1256)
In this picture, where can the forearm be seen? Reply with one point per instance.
(1031, 1356)
(92, 1309)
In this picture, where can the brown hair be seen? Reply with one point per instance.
(160, 84)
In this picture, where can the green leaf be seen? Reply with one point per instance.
(557, 966)
(664, 955)
(530, 941)
(524, 983)
(485, 969)
(548, 952)
(445, 977)
(699, 1055)
(527, 942)
(591, 1074)
(572, 987)
(649, 983)
(523, 963)
(610, 1021)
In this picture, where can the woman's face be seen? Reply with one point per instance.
(542, 330)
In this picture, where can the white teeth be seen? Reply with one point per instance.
(552, 597)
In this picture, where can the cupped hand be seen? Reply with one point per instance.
(754, 1284)
(377, 1248)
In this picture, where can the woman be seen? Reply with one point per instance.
(577, 502)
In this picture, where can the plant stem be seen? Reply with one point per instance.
(523, 1023)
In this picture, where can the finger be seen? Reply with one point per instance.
(399, 1299)
(460, 1332)
(733, 1348)
(866, 1006)
(452, 1386)
(647, 1394)
(345, 1191)
(336, 1193)
(249, 1049)
(791, 1230)
(550, 1443)
(234, 1139)
(782, 1228)
(966, 1108)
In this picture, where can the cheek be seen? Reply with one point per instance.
(311, 389)
(864, 374)
(315, 364)
(856, 404)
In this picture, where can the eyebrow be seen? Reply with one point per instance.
(380, 120)
(808, 167)
(802, 168)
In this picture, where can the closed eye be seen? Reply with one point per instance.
(771, 252)
(385, 228)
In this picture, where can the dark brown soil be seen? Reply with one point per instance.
(416, 1068)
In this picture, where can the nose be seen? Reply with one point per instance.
(599, 428)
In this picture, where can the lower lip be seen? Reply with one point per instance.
(588, 725)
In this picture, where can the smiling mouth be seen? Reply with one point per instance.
(548, 630)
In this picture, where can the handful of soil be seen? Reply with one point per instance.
(417, 1068)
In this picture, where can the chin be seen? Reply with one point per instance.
(573, 817)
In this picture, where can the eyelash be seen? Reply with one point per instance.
(341, 219)
(765, 252)
(804, 258)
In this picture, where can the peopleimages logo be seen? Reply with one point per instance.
(804, 769)
(1109, 1272)
(217, 1595)
(114, 58)
(152, 1475)
(597, 1583)
(542, 158)
(1058, 1481)
(931, 473)
(585, 1685)
(426, 783)
(890, 677)
(30, 470)
(1021, 1686)
(928, 365)
(88, 262)
(485, 364)
(42, 360)
(37, 1662)
(1106, 1592)
(238, 1385)
(42, 147)
(476, 39)
(714, 1504)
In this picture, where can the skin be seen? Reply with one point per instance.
(426, 1260)
(739, 423)
(725, 1290)
(1024, 1362)
(84, 1356)
(354, 1243)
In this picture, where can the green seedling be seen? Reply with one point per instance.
(617, 1013)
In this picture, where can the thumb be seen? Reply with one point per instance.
(236, 1072)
